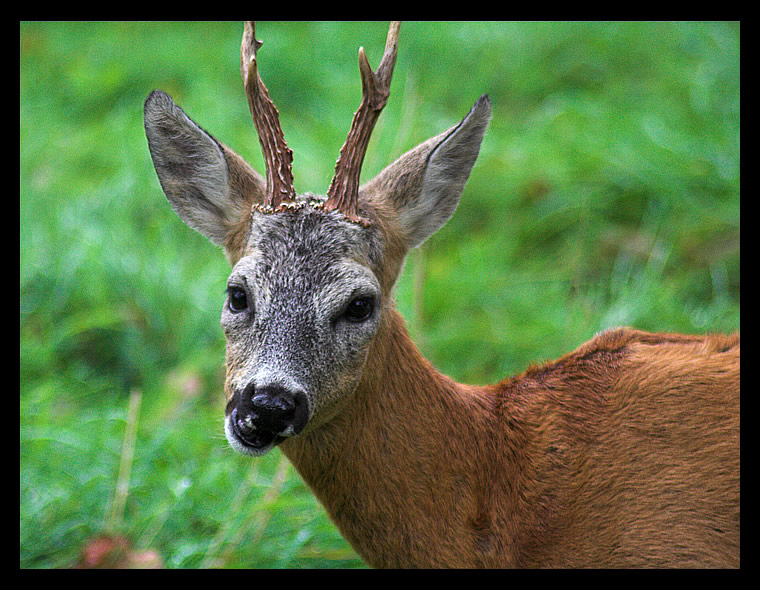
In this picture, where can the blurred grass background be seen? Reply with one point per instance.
(606, 193)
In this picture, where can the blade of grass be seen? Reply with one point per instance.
(225, 542)
(121, 491)
(212, 557)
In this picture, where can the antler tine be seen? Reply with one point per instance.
(278, 157)
(343, 193)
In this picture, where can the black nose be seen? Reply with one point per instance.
(262, 415)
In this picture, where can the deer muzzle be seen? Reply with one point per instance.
(261, 417)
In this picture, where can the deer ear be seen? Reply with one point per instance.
(209, 186)
(424, 185)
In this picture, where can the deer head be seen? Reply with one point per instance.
(311, 276)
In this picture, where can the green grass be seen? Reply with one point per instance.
(606, 193)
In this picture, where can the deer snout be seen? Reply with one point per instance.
(262, 416)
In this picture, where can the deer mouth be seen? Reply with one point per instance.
(260, 417)
(247, 436)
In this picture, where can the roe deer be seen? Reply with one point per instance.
(622, 453)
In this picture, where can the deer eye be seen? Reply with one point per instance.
(237, 299)
(359, 309)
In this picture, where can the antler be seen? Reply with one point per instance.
(278, 157)
(343, 193)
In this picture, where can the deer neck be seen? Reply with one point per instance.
(396, 470)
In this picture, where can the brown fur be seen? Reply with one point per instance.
(251, 186)
(624, 453)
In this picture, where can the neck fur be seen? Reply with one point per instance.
(395, 469)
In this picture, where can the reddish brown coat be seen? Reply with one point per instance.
(622, 453)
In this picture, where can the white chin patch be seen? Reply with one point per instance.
(240, 446)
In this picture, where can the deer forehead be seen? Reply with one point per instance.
(307, 251)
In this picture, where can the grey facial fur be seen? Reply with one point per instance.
(293, 351)
(300, 271)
